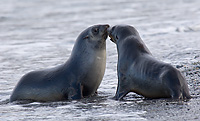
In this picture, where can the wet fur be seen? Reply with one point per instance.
(139, 72)
(79, 77)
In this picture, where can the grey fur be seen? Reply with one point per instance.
(139, 72)
(79, 77)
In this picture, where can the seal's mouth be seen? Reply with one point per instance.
(112, 38)
(110, 32)
(105, 35)
(105, 31)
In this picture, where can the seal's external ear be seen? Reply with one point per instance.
(86, 37)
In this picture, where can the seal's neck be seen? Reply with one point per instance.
(83, 57)
(129, 50)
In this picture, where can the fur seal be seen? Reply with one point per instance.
(78, 77)
(139, 72)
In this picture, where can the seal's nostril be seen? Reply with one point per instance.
(107, 26)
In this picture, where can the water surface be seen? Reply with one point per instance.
(38, 34)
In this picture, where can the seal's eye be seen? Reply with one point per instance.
(95, 30)
(116, 37)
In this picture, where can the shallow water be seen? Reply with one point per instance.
(39, 34)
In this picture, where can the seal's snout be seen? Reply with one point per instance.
(110, 33)
(103, 29)
(106, 26)
(109, 30)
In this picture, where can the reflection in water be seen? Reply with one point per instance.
(40, 34)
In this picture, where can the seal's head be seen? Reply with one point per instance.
(95, 35)
(119, 32)
(128, 37)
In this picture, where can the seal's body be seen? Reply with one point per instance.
(139, 72)
(79, 77)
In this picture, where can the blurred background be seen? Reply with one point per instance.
(38, 34)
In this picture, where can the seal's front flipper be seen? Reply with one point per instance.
(75, 93)
(120, 95)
